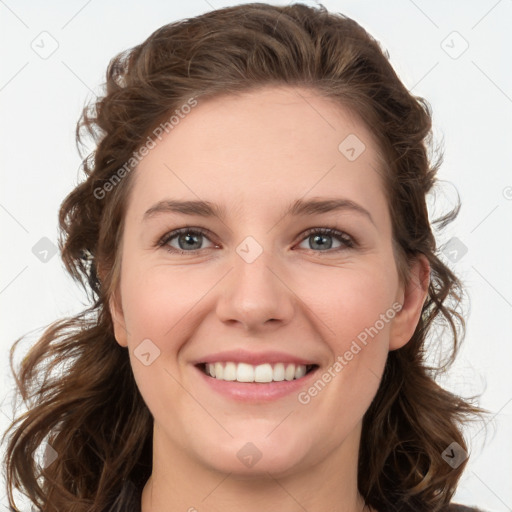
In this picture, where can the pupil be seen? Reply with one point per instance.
(316, 237)
(188, 236)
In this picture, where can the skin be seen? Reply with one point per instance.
(254, 154)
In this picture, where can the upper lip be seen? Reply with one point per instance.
(254, 358)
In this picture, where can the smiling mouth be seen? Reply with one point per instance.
(262, 373)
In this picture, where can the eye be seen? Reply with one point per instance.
(189, 239)
(319, 235)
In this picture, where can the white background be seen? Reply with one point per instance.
(471, 97)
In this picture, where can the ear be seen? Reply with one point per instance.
(412, 297)
(118, 321)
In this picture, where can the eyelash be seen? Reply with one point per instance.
(347, 240)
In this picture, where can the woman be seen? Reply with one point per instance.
(233, 357)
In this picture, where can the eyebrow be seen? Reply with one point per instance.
(298, 208)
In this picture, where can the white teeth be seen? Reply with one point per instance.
(229, 371)
(300, 371)
(289, 373)
(278, 372)
(243, 372)
(263, 373)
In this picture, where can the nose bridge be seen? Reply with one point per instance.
(253, 279)
(254, 292)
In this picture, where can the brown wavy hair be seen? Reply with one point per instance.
(77, 381)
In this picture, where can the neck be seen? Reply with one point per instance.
(181, 483)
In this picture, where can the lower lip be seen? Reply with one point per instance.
(256, 391)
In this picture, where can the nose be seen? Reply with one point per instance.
(255, 294)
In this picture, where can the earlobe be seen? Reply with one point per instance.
(414, 295)
(116, 312)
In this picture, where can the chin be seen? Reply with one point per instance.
(248, 458)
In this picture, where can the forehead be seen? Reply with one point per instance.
(267, 146)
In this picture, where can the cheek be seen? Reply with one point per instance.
(157, 305)
(357, 313)
(161, 300)
(351, 301)
(158, 300)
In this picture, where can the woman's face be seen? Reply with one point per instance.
(260, 284)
